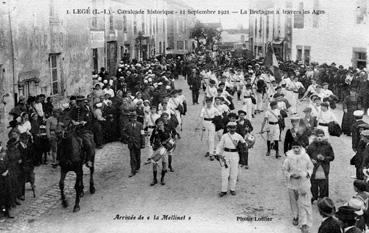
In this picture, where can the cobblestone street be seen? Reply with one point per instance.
(191, 191)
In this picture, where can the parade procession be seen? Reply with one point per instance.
(168, 123)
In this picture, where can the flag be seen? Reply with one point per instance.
(271, 62)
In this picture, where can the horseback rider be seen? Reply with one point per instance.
(81, 118)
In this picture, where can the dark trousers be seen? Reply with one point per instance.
(359, 173)
(135, 155)
(195, 96)
(244, 158)
(98, 133)
(319, 188)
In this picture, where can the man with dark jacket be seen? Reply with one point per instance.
(329, 224)
(358, 115)
(348, 218)
(195, 84)
(321, 154)
(361, 151)
(134, 135)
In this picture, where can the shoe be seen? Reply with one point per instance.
(267, 154)
(132, 174)
(207, 154)
(17, 202)
(277, 156)
(295, 221)
(253, 115)
(246, 166)
(222, 194)
(233, 193)
(21, 198)
(154, 182)
(211, 158)
(171, 169)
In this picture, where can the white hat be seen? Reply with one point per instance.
(65, 105)
(119, 69)
(160, 83)
(145, 81)
(105, 81)
(99, 105)
(150, 79)
(358, 113)
(167, 87)
(231, 123)
(99, 79)
(357, 204)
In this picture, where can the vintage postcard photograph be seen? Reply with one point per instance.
(184, 116)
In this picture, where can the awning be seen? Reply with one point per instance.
(31, 75)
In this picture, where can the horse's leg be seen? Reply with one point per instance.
(61, 187)
(92, 185)
(78, 188)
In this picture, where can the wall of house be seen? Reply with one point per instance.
(336, 35)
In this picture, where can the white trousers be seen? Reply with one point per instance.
(210, 129)
(293, 101)
(301, 207)
(259, 101)
(248, 108)
(229, 175)
(178, 115)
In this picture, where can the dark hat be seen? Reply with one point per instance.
(295, 143)
(209, 99)
(273, 103)
(80, 98)
(346, 214)
(326, 206)
(232, 115)
(361, 185)
(324, 104)
(221, 84)
(212, 81)
(73, 97)
(319, 131)
(159, 120)
(279, 87)
(278, 95)
(219, 98)
(241, 111)
(325, 83)
(13, 124)
(248, 86)
(219, 90)
(164, 114)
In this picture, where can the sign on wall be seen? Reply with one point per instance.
(97, 39)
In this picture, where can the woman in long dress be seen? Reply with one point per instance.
(350, 104)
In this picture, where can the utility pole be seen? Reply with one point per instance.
(12, 54)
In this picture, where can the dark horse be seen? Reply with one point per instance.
(71, 158)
